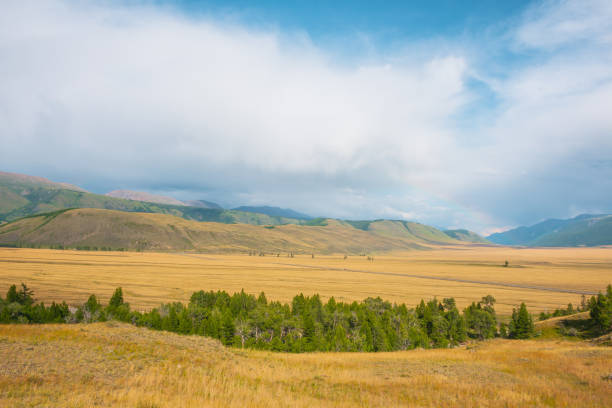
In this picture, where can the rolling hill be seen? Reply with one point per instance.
(202, 204)
(274, 212)
(98, 228)
(583, 230)
(142, 196)
(159, 199)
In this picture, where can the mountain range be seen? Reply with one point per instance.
(87, 228)
(38, 212)
(27, 196)
(583, 230)
(275, 212)
(22, 196)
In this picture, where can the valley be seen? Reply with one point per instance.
(544, 279)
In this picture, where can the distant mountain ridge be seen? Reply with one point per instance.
(22, 198)
(583, 230)
(22, 195)
(202, 204)
(17, 179)
(142, 196)
(274, 212)
(88, 228)
(466, 236)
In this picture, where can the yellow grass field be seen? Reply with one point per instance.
(542, 278)
(117, 365)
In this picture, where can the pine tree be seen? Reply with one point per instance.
(25, 295)
(11, 295)
(601, 312)
(521, 326)
(309, 331)
(227, 329)
(117, 299)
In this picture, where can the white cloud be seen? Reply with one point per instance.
(144, 97)
(555, 23)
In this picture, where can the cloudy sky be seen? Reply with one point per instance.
(455, 114)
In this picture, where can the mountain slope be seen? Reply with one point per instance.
(586, 229)
(203, 204)
(274, 212)
(466, 236)
(22, 196)
(116, 229)
(142, 196)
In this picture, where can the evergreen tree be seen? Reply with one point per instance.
(480, 319)
(117, 299)
(25, 296)
(521, 325)
(309, 331)
(11, 295)
(601, 312)
(227, 328)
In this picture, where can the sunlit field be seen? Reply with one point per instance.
(112, 364)
(542, 278)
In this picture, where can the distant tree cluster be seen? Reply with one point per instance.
(19, 307)
(307, 324)
(568, 311)
(600, 308)
(521, 325)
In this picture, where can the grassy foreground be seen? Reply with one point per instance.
(113, 364)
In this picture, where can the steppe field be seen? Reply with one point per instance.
(542, 278)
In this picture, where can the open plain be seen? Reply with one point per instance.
(542, 278)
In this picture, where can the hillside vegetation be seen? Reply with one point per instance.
(584, 230)
(95, 228)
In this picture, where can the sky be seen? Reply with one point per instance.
(459, 114)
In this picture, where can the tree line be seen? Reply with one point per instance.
(306, 324)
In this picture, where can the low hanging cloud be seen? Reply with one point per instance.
(110, 96)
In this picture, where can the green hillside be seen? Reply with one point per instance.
(466, 236)
(587, 232)
(108, 229)
(584, 230)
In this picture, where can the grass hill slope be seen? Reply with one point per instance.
(466, 236)
(584, 230)
(96, 228)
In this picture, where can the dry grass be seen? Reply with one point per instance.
(162, 232)
(151, 278)
(111, 364)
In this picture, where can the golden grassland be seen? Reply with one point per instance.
(542, 278)
(118, 365)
